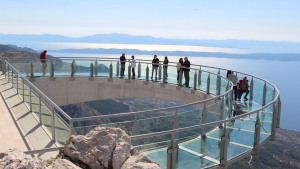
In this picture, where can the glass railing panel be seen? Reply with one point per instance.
(61, 67)
(62, 130)
(214, 112)
(203, 83)
(266, 117)
(83, 67)
(46, 113)
(258, 87)
(156, 152)
(35, 104)
(206, 147)
(102, 68)
(270, 95)
(171, 75)
(23, 66)
(213, 84)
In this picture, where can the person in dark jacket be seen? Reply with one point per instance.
(43, 60)
(179, 65)
(155, 64)
(186, 70)
(166, 61)
(123, 61)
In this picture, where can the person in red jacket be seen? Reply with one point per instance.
(43, 60)
(242, 87)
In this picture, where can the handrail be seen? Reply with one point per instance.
(39, 92)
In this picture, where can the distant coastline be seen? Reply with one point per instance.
(254, 56)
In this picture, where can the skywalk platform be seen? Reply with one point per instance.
(19, 126)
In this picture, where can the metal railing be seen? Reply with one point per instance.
(218, 97)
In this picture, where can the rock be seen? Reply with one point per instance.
(59, 164)
(15, 158)
(100, 148)
(121, 154)
(140, 161)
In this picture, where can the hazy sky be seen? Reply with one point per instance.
(210, 19)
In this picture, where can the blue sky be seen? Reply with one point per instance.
(276, 20)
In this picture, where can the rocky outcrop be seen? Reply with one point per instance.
(105, 148)
(140, 161)
(15, 159)
(59, 164)
(99, 148)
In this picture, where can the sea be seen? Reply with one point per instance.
(283, 74)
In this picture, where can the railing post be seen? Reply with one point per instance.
(278, 112)
(274, 122)
(40, 109)
(23, 90)
(17, 83)
(139, 70)
(129, 71)
(230, 98)
(222, 111)
(53, 123)
(203, 121)
(30, 100)
(264, 94)
(255, 149)
(199, 76)
(251, 88)
(118, 68)
(72, 68)
(218, 85)
(172, 153)
(164, 75)
(136, 130)
(195, 80)
(176, 123)
(12, 77)
(92, 70)
(159, 72)
(110, 70)
(96, 68)
(3, 66)
(71, 126)
(223, 148)
(208, 84)
(52, 69)
(8, 73)
(31, 70)
(147, 73)
(180, 77)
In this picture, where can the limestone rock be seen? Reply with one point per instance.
(140, 161)
(14, 159)
(59, 164)
(99, 148)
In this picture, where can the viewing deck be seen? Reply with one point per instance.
(202, 133)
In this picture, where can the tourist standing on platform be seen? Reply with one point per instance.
(155, 64)
(43, 60)
(166, 61)
(123, 61)
(186, 71)
(234, 80)
(241, 88)
(179, 64)
(133, 64)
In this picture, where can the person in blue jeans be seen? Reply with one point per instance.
(243, 87)
(155, 64)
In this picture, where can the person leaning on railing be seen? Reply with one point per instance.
(155, 64)
(43, 60)
(123, 61)
(179, 65)
(133, 64)
(234, 81)
(186, 71)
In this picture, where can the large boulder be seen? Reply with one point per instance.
(57, 163)
(16, 159)
(140, 161)
(101, 148)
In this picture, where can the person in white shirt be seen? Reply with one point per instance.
(234, 80)
(133, 64)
